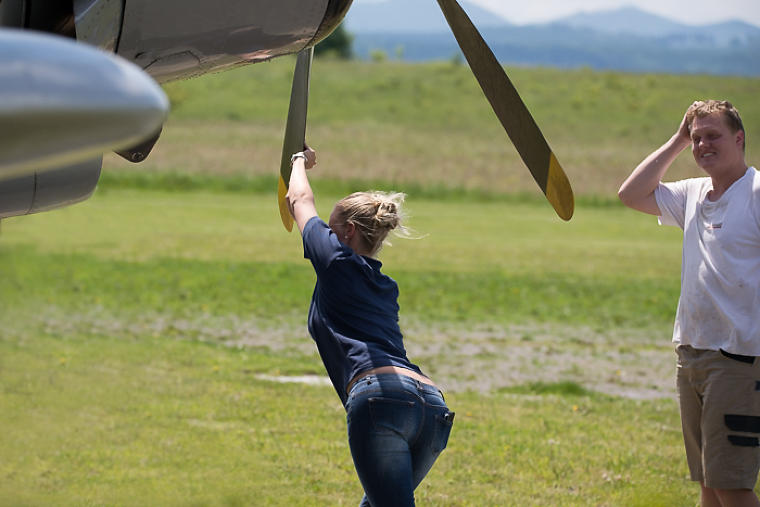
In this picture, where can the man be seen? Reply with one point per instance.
(717, 327)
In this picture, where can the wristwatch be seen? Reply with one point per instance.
(300, 154)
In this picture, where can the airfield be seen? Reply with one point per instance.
(147, 335)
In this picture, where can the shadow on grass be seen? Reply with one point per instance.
(565, 388)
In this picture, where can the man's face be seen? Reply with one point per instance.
(714, 146)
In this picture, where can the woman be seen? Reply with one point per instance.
(398, 422)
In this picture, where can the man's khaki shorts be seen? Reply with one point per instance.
(719, 395)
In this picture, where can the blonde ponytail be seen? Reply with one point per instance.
(374, 214)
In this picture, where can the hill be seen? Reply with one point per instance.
(410, 16)
(427, 126)
(632, 21)
(629, 20)
(625, 39)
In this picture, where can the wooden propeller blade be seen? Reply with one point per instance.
(511, 111)
(295, 129)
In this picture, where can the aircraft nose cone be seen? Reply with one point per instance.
(62, 102)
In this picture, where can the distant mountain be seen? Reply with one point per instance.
(628, 20)
(418, 16)
(633, 21)
(625, 39)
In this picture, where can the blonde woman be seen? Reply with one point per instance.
(398, 421)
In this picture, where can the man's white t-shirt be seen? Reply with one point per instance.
(719, 307)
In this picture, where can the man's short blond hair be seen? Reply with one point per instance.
(703, 108)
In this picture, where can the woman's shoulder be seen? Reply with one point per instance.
(312, 223)
(322, 247)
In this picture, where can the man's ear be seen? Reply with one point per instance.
(740, 138)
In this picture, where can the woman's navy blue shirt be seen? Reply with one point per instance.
(353, 316)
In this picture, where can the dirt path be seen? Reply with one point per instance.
(629, 363)
(635, 364)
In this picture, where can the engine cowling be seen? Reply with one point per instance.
(62, 104)
(46, 190)
(178, 39)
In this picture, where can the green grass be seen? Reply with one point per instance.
(136, 328)
(429, 125)
(96, 420)
(223, 254)
(446, 97)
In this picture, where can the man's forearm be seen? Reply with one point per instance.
(637, 191)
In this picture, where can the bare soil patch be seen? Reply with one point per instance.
(631, 363)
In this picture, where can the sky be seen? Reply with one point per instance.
(690, 12)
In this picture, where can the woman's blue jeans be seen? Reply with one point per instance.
(397, 427)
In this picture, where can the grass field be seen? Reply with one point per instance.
(141, 328)
(430, 125)
(144, 333)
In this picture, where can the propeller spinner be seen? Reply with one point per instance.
(63, 102)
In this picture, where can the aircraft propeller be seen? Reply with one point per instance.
(295, 128)
(498, 89)
(511, 111)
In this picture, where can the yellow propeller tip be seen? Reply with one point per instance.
(559, 193)
(285, 216)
